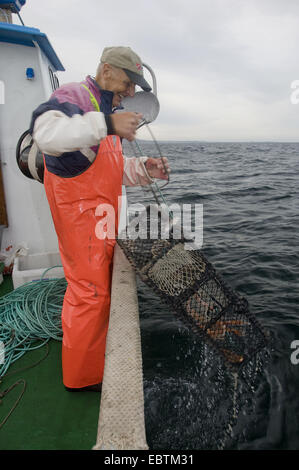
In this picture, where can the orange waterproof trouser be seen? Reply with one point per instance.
(87, 260)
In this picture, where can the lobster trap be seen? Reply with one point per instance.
(188, 283)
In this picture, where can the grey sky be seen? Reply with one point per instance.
(224, 67)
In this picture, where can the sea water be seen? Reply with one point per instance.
(249, 193)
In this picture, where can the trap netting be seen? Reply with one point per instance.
(197, 294)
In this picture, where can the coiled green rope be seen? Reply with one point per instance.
(29, 317)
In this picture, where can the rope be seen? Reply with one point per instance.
(154, 187)
(29, 317)
(30, 313)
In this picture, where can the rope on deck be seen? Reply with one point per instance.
(121, 420)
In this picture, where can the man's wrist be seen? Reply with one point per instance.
(109, 125)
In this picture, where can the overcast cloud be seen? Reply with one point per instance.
(224, 67)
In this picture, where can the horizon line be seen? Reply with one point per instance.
(227, 141)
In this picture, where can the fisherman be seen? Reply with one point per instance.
(79, 133)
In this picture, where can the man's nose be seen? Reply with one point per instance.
(131, 90)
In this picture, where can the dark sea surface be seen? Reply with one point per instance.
(249, 193)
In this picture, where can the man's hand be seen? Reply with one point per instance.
(125, 124)
(156, 168)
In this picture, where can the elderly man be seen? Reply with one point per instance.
(80, 136)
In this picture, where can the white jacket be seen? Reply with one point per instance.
(55, 133)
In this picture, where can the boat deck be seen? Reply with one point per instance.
(47, 417)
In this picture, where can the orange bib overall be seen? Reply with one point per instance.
(86, 259)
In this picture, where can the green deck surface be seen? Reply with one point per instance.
(47, 416)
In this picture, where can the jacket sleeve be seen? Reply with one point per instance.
(56, 133)
(135, 173)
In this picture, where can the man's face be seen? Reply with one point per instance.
(119, 83)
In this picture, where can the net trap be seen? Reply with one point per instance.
(188, 283)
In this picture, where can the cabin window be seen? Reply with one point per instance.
(53, 79)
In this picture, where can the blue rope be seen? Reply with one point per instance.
(29, 317)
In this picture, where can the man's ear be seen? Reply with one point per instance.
(107, 70)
